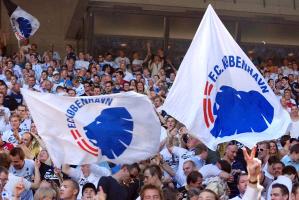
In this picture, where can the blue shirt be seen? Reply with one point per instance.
(288, 161)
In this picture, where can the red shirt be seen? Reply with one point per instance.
(6, 146)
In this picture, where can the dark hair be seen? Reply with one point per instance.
(200, 148)
(89, 185)
(284, 190)
(225, 166)
(121, 73)
(109, 82)
(273, 159)
(170, 193)
(4, 170)
(294, 149)
(295, 187)
(274, 142)
(75, 185)
(154, 170)
(4, 160)
(151, 187)
(285, 77)
(284, 139)
(134, 166)
(193, 176)
(239, 176)
(193, 192)
(17, 151)
(289, 170)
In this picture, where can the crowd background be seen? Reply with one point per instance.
(183, 169)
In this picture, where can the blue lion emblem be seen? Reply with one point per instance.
(239, 112)
(24, 26)
(111, 131)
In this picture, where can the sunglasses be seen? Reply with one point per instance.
(261, 150)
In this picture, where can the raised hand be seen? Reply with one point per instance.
(19, 188)
(253, 165)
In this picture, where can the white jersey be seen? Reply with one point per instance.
(96, 173)
(9, 137)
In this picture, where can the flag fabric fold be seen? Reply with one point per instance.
(23, 23)
(123, 126)
(227, 98)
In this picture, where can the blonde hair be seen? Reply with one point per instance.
(42, 193)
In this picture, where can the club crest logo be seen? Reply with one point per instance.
(111, 130)
(233, 111)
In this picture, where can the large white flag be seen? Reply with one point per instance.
(124, 126)
(220, 95)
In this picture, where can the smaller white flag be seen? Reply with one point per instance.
(23, 24)
(124, 126)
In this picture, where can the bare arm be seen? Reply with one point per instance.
(66, 169)
(37, 178)
(254, 189)
(167, 168)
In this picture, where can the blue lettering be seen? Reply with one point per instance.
(72, 113)
(225, 62)
(90, 101)
(216, 69)
(71, 125)
(74, 108)
(109, 101)
(97, 100)
(264, 89)
(103, 100)
(71, 120)
(231, 61)
(244, 65)
(84, 101)
(261, 82)
(77, 102)
(255, 76)
(249, 70)
(238, 63)
(212, 77)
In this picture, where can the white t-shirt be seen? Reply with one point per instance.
(171, 160)
(183, 155)
(38, 70)
(79, 90)
(27, 173)
(163, 134)
(3, 124)
(294, 129)
(25, 125)
(209, 171)
(282, 180)
(10, 138)
(79, 64)
(128, 76)
(236, 198)
(118, 60)
(12, 181)
(96, 173)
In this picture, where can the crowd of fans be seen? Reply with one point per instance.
(183, 169)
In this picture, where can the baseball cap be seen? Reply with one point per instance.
(55, 73)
